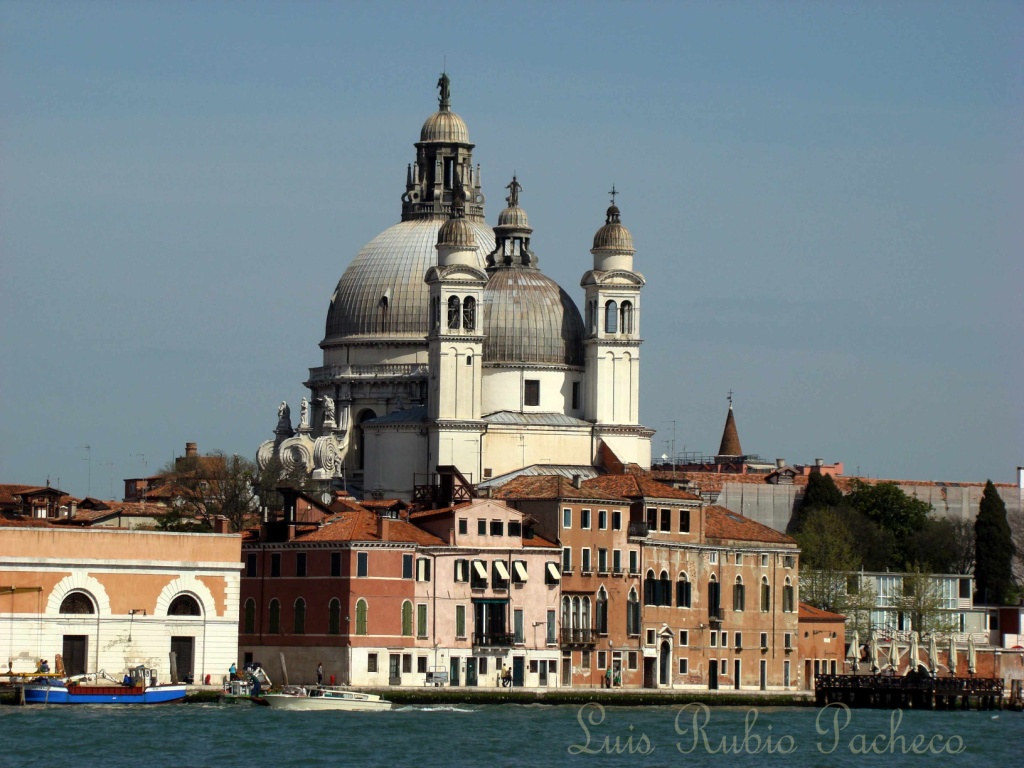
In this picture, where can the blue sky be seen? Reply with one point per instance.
(825, 200)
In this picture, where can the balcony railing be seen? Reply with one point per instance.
(493, 639)
(579, 636)
(638, 529)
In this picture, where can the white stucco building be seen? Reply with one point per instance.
(446, 345)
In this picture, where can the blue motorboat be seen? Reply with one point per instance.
(136, 688)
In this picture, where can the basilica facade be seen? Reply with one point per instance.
(446, 346)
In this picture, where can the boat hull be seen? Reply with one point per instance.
(107, 694)
(339, 702)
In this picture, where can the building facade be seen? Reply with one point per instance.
(113, 599)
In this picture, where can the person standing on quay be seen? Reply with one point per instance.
(319, 673)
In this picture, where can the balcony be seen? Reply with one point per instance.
(638, 529)
(715, 617)
(493, 639)
(579, 637)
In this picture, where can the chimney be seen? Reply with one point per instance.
(191, 451)
(819, 462)
(72, 509)
(1020, 478)
(384, 527)
(220, 524)
(780, 463)
(577, 481)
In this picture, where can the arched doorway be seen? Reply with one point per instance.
(665, 663)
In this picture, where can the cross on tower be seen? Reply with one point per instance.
(730, 399)
(613, 193)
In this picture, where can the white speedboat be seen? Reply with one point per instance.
(326, 697)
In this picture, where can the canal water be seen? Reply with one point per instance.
(523, 736)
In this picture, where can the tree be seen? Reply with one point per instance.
(827, 555)
(943, 546)
(894, 511)
(821, 493)
(922, 599)
(994, 550)
(206, 487)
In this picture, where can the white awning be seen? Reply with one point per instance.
(499, 566)
(553, 573)
(520, 569)
(478, 566)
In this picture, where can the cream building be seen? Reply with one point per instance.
(446, 345)
(111, 599)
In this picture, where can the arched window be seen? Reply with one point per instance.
(77, 602)
(766, 595)
(788, 596)
(469, 313)
(566, 615)
(334, 617)
(454, 312)
(738, 594)
(406, 619)
(633, 613)
(601, 615)
(576, 613)
(361, 617)
(665, 589)
(611, 317)
(650, 589)
(714, 597)
(275, 617)
(299, 625)
(590, 317)
(627, 317)
(683, 591)
(585, 613)
(184, 605)
(250, 617)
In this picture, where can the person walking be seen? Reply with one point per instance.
(319, 673)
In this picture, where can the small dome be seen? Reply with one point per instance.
(513, 216)
(445, 127)
(457, 233)
(528, 318)
(613, 236)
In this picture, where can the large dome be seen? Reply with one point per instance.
(528, 318)
(382, 293)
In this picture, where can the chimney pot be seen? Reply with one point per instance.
(780, 463)
(819, 462)
(577, 481)
(191, 450)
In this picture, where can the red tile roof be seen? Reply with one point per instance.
(551, 487)
(635, 486)
(364, 526)
(383, 504)
(810, 613)
(722, 523)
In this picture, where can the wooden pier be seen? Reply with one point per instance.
(909, 692)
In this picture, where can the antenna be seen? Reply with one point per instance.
(88, 458)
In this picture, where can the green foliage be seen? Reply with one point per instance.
(994, 550)
(886, 505)
(822, 492)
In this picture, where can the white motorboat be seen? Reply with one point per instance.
(326, 697)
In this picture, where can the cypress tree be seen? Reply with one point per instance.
(993, 576)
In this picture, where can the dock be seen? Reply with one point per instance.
(909, 692)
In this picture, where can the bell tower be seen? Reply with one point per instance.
(455, 346)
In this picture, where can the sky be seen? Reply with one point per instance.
(825, 199)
